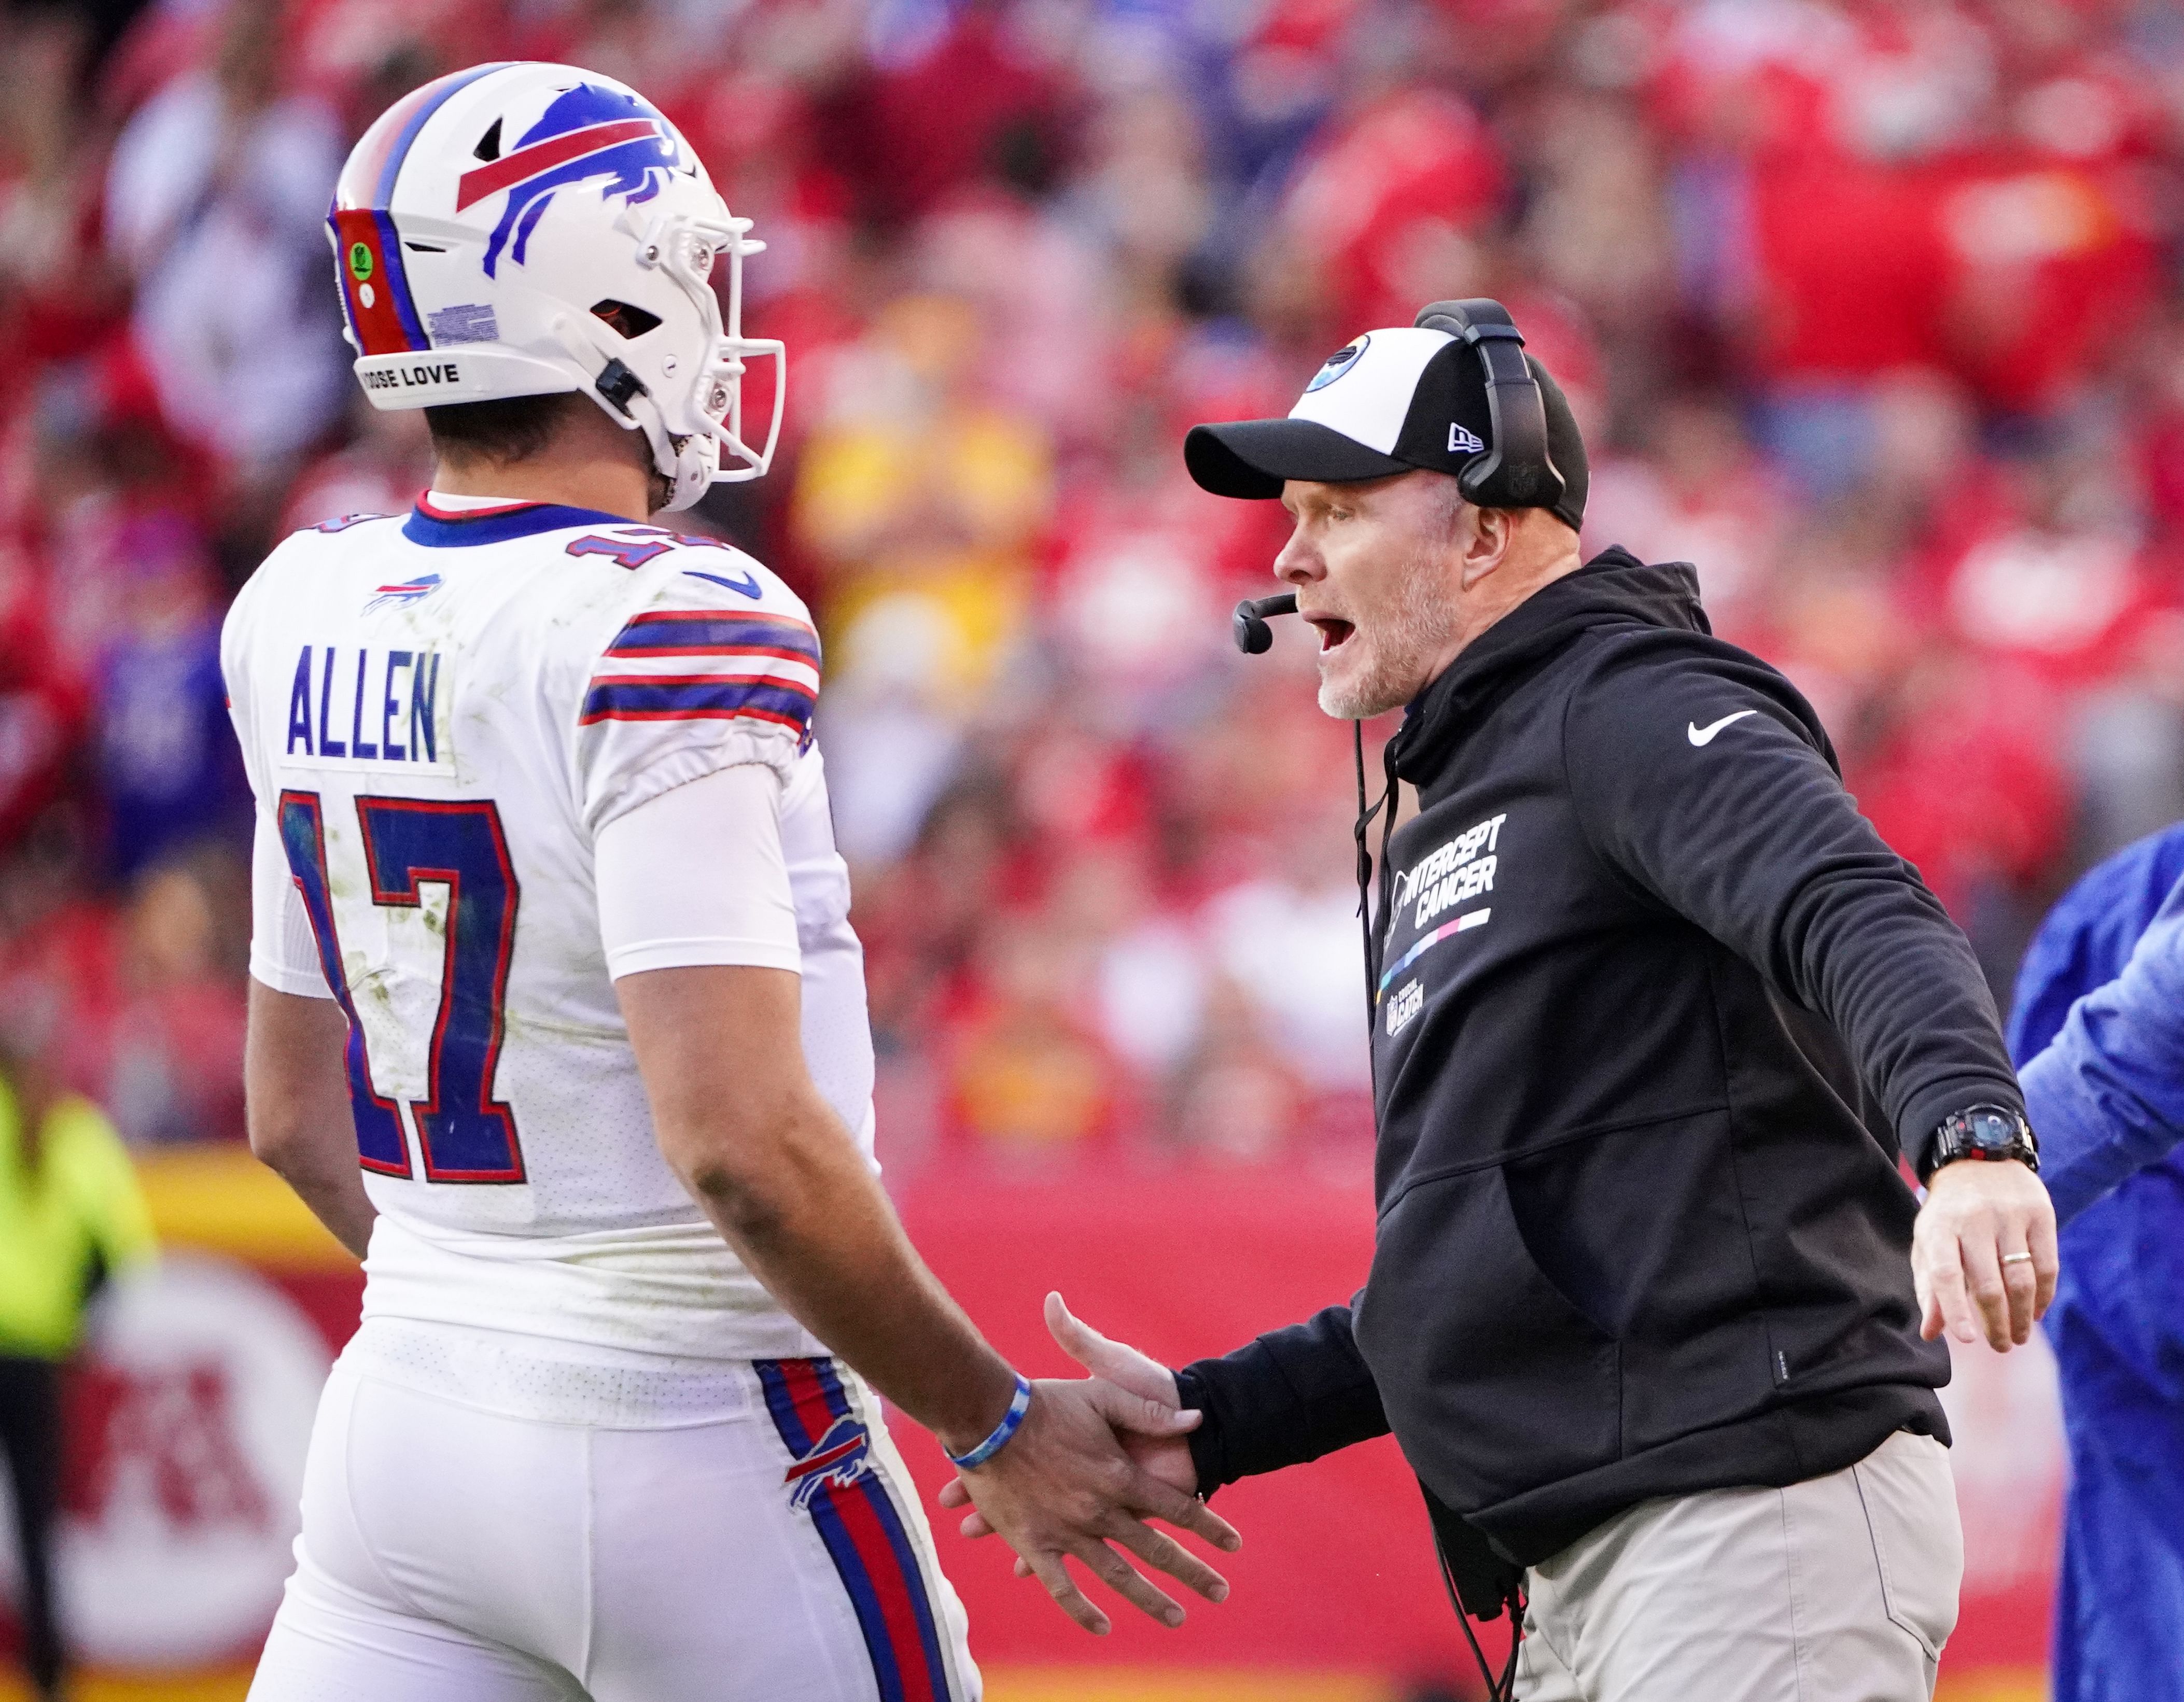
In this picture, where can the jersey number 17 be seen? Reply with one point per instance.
(463, 1133)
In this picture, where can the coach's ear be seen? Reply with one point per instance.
(1531, 546)
(1483, 540)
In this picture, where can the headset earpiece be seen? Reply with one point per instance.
(1516, 471)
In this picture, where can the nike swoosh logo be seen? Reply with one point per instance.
(749, 586)
(1704, 735)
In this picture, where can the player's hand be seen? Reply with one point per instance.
(1979, 1214)
(1067, 1485)
(1064, 1487)
(1165, 1454)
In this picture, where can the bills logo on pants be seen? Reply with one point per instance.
(832, 1479)
(840, 1458)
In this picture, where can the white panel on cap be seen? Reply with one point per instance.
(1367, 401)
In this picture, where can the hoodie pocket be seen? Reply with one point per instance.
(1491, 1378)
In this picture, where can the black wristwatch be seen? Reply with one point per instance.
(1981, 1131)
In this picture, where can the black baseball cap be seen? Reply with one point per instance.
(1393, 400)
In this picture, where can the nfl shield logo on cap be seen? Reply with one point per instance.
(1337, 363)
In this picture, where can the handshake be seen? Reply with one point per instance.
(1092, 1462)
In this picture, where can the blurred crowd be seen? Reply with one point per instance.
(1870, 309)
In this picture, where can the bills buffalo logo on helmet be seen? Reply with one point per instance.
(840, 1457)
(587, 132)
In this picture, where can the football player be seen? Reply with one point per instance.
(557, 1019)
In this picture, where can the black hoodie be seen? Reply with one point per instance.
(1657, 1013)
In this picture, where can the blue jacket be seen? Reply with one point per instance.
(2098, 1001)
(2099, 1014)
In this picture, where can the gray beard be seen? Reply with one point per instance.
(1415, 632)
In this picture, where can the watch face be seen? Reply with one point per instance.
(1990, 1130)
(1981, 1131)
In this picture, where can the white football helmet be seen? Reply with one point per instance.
(523, 229)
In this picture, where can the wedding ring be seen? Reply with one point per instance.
(2017, 1258)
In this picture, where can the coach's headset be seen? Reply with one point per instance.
(1515, 470)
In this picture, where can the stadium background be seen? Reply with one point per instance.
(1871, 309)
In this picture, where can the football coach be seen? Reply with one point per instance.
(1653, 1310)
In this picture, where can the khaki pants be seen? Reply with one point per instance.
(1840, 1589)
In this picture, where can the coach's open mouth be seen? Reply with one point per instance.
(1333, 633)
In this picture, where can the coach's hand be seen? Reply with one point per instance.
(1165, 1454)
(1065, 1486)
(1980, 1218)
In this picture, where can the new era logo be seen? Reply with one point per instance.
(1459, 438)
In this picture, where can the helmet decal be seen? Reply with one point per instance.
(463, 322)
(382, 317)
(374, 289)
(587, 132)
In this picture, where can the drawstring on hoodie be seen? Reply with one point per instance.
(1359, 829)
(1365, 910)
(1374, 936)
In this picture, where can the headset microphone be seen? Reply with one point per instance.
(1254, 638)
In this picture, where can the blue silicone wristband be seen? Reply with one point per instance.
(1019, 1405)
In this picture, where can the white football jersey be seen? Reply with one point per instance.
(439, 712)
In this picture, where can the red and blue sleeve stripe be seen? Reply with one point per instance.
(697, 698)
(864, 1537)
(706, 632)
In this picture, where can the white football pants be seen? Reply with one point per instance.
(754, 1537)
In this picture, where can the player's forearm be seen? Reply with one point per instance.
(334, 1192)
(296, 1109)
(317, 1158)
(803, 1211)
(737, 1116)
